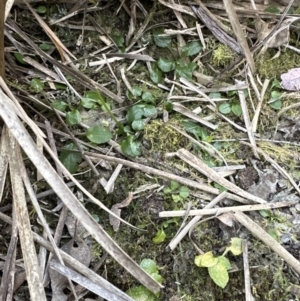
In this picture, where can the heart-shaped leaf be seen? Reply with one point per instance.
(98, 134)
(73, 117)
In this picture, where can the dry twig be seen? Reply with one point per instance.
(34, 279)
(212, 175)
(248, 293)
(201, 212)
(261, 234)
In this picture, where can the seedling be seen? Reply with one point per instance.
(70, 157)
(137, 114)
(73, 117)
(140, 293)
(41, 9)
(136, 117)
(36, 85)
(181, 66)
(178, 193)
(98, 134)
(159, 237)
(198, 131)
(232, 106)
(130, 146)
(218, 266)
(275, 100)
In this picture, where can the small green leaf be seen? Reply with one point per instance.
(148, 97)
(159, 237)
(167, 190)
(73, 117)
(161, 40)
(184, 192)
(235, 247)
(165, 65)
(130, 146)
(224, 261)
(60, 105)
(136, 92)
(272, 9)
(192, 48)
(166, 223)
(149, 266)
(235, 92)
(105, 107)
(195, 129)
(168, 106)
(209, 162)
(273, 234)
(41, 9)
(139, 111)
(98, 134)
(141, 293)
(198, 260)
(246, 93)
(92, 97)
(60, 86)
(36, 85)
(265, 213)
(236, 109)
(135, 113)
(232, 93)
(157, 277)
(127, 129)
(20, 58)
(45, 46)
(101, 101)
(276, 95)
(155, 74)
(276, 105)
(219, 274)
(176, 198)
(208, 260)
(119, 40)
(215, 95)
(88, 103)
(185, 70)
(225, 108)
(69, 158)
(138, 125)
(220, 187)
(149, 111)
(276, 84)
(96, 218)
(174, 185)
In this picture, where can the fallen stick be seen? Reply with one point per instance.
(264, 236)
(225, 209)
(199, 165)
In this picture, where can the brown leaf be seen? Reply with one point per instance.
(116, 209)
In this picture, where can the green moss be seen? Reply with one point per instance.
(164, 138)
(285, 154)
(222, 56)
(270, 67)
